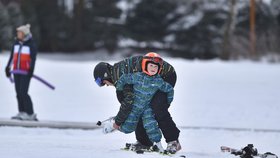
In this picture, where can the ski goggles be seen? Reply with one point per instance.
(99, 82)
(156, 60)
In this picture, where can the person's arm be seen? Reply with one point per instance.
(33, 54)
(166, 87)
(126, 104)
(126, 79)
(8, 67)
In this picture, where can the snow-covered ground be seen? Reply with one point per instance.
(213, 93)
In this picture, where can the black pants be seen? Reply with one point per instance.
(160, 108)
(24, 100)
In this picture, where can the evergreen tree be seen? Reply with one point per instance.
(15, 14)
(6, 32)
(106, 26)
(149, 21)
(266, 30)
(29, 12)
(199, 32)
(51, 21)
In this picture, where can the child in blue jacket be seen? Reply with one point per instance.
(145, 85)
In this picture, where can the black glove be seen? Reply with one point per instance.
(8, 73)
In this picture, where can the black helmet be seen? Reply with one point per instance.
(101, 72)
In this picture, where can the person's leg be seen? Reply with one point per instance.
(18, 83)
(140, 132)
(151, 125)
(163, 117)
(141, 135)
(152, 129)
(27, 102)
(160, 108)
(130, 123)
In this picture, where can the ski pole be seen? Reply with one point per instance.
(21, 72)
(99, 123)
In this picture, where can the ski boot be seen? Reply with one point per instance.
(136, 146)
(25, 117)
(17, 116)
(173, 147)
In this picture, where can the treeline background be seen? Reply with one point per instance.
(191, 29)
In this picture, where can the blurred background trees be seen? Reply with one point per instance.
(202, 29)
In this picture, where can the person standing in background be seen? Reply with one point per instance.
(23, 57)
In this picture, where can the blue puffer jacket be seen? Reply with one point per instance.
(144, 89)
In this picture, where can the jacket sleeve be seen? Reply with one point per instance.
(125, 79)
(33, 55)
(11, 57)
(167, 88)
(126, 104)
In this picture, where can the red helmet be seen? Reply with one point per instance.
(154, 58)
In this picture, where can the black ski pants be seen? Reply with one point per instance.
(160, 108)
(24, 101)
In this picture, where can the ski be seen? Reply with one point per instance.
(247, 152)
(141, 149)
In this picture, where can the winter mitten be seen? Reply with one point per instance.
(108, 127)
(8, 73)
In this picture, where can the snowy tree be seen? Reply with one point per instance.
(149, 20)
(105, 24)
(199, 30)
(230, 26)
(5, 28)
(266, 31)
(275, 5)
(15, 15)
(31, 16)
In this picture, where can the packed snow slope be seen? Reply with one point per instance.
(208, 94)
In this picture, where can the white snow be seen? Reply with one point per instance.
(213, 93)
